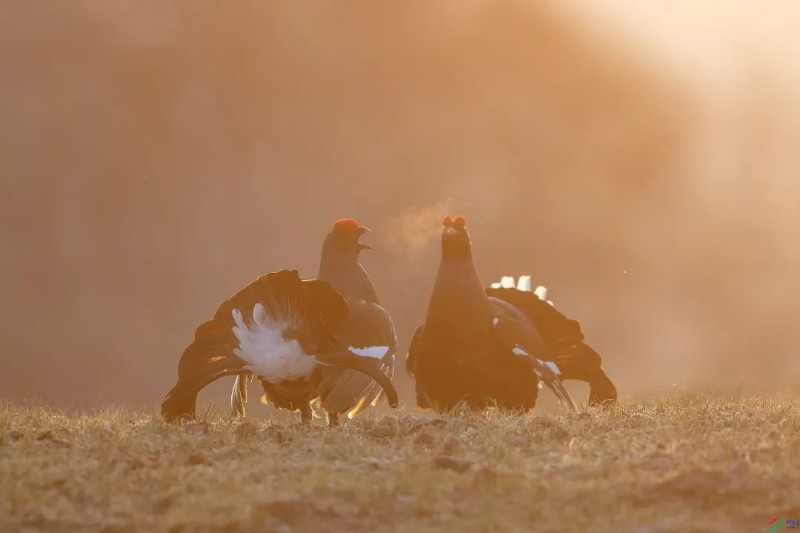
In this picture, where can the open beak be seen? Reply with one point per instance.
(361, 231)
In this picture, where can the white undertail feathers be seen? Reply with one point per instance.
(522, 284)
(265, 350)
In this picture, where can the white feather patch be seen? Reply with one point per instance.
(541, 292)
(266, 352)
(376, 352)
(497, 285)
(554, 367)
(524, 283)
(495, 321)
(519, 351)
(507, 282)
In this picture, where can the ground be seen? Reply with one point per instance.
(689, 462)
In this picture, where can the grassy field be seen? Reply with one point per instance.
(684, 463)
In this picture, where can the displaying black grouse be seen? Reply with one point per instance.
(491, 347)
(326, 340)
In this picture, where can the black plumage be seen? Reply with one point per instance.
(302, 339)
(368, 330)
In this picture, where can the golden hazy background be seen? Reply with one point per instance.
(641, 159)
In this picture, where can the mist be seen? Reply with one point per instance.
(638, 160)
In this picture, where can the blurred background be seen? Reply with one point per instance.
(639, 159)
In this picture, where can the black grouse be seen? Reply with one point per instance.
(491, 347)
(326, 340)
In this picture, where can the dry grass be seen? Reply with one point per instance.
(687, 463)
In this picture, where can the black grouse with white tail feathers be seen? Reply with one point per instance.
(326, 340)
(491, 347)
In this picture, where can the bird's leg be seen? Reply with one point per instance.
(239, 396)
(333, 420)
(305, 414)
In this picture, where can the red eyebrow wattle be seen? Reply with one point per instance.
(346, 224)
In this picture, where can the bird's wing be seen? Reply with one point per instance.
(307, 311)
(556, 329)
(520, 336)
(411, 356)
(368, 335)
(568, 355)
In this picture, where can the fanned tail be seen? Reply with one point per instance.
(180, 401)
(314, 309)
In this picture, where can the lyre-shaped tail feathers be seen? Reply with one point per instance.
(314, 310)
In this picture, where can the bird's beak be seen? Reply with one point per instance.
(361, 231)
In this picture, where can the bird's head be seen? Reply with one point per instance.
(455, 237)
(343, 239)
